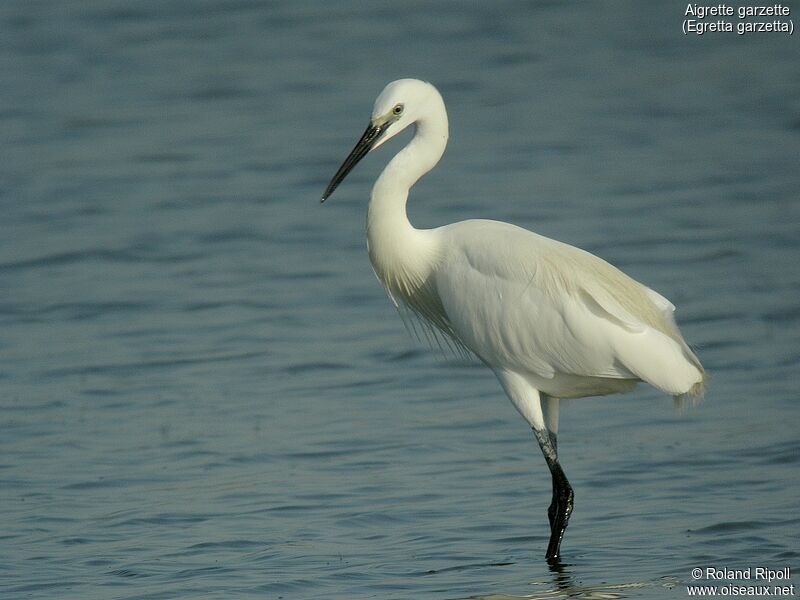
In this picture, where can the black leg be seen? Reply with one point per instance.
(563, 497)
(553, 508)
(560, 509)
(551, 511)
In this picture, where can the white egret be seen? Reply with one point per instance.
(552, 321)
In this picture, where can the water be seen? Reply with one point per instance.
(205, 392)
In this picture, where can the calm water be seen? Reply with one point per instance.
(205, 393)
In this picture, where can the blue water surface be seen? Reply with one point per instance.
(204, 393)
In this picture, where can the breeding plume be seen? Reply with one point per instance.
(552, 321)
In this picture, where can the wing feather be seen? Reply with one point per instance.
(519, 300)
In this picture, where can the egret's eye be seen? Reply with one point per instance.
(397, 110)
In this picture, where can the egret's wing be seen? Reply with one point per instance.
(484, 314)
(642, 307)
(606, 307)
(510, 303)
(524, 301)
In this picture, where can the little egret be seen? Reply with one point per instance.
(552, 321)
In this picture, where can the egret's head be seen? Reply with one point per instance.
(399, 105)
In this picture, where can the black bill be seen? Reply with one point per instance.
(364, 145)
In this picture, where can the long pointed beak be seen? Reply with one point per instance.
(364, 145)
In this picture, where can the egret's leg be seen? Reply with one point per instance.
(541, 412)
(550, 413)
(563, 497)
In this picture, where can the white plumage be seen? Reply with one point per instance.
(552, 321)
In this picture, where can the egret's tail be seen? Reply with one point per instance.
(693, 396)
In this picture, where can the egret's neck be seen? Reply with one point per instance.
(394, 245)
